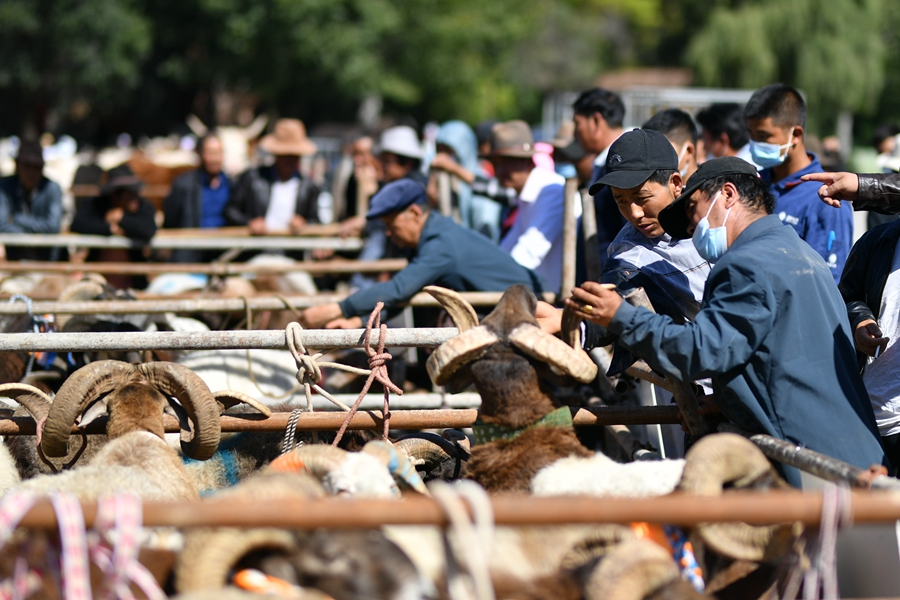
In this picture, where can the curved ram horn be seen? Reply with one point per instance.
(727, 458)
(254, 129)
(631, 570)
(456, 306)
(229, 398)
(210, 554)
(36, 402)
(456, 352)
(186, 386)
(549, 349)
(318, 459)
(81, 388)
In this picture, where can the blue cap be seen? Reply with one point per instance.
(395, 196)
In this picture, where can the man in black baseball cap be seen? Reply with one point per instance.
(642, 174)
(772, 332)
(643, 177)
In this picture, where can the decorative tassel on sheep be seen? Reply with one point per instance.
(118, 522)
(309, 373)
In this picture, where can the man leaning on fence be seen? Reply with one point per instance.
(772, 332)
(29, 203)
(198, 199)
(444, 253)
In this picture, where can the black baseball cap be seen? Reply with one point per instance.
(634, 157)
(673, 218)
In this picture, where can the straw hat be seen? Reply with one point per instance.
(512, 138)
(289, 138)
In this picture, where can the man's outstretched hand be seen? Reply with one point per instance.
(835, 187)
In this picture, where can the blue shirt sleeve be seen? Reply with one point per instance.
(734, 321)
(428, 266)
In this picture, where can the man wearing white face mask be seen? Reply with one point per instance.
(776, 118)
(772, 332)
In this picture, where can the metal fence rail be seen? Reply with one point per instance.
(213, 340)
(325, 267)
(98, 307)
(754, 508)
(374, 420)
(194, 243)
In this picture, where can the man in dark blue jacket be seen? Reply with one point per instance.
(776, 119)
(772, 332)
(445, 254)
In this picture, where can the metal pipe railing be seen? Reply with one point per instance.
(754, 508)
(214, 340)
(31, 240)
(374, 420)
(156, 306)
(324, 267)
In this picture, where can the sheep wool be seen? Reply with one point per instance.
(361, 474)
(599, 475)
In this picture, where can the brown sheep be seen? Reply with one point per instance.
(510, 360)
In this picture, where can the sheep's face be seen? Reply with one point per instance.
(135, 407)
(512, 392)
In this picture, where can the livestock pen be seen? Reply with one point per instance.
(754, 508)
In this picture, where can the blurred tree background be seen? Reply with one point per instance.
(95, 68)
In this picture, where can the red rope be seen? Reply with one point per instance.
(377, 360)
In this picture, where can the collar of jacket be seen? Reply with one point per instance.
(561, 417)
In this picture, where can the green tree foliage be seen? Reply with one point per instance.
(61, 52)
(833, 50)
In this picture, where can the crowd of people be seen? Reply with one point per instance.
(725, 219)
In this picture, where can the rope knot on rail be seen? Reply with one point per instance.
(378, 372)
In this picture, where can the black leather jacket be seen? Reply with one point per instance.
(879, 192)
(869, 263)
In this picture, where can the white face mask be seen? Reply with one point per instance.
(680, 158)
(768, 155)
(711, 242)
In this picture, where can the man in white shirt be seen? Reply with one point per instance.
(277, 198)
(535, 239)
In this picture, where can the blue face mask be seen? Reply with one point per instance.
(711, 243)
(768, 155)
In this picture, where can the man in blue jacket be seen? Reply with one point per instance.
(30, 203)
(445, 254)
(776, 119)
(772, 332)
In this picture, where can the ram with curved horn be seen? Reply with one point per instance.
(511, 362)
(137, 458)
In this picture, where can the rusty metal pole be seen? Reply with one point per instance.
(754, 508)
(373, 420)
(820, 465)
(569, 238)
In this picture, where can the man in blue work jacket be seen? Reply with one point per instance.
(445, 254)
(776, 118)
(772, 332)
